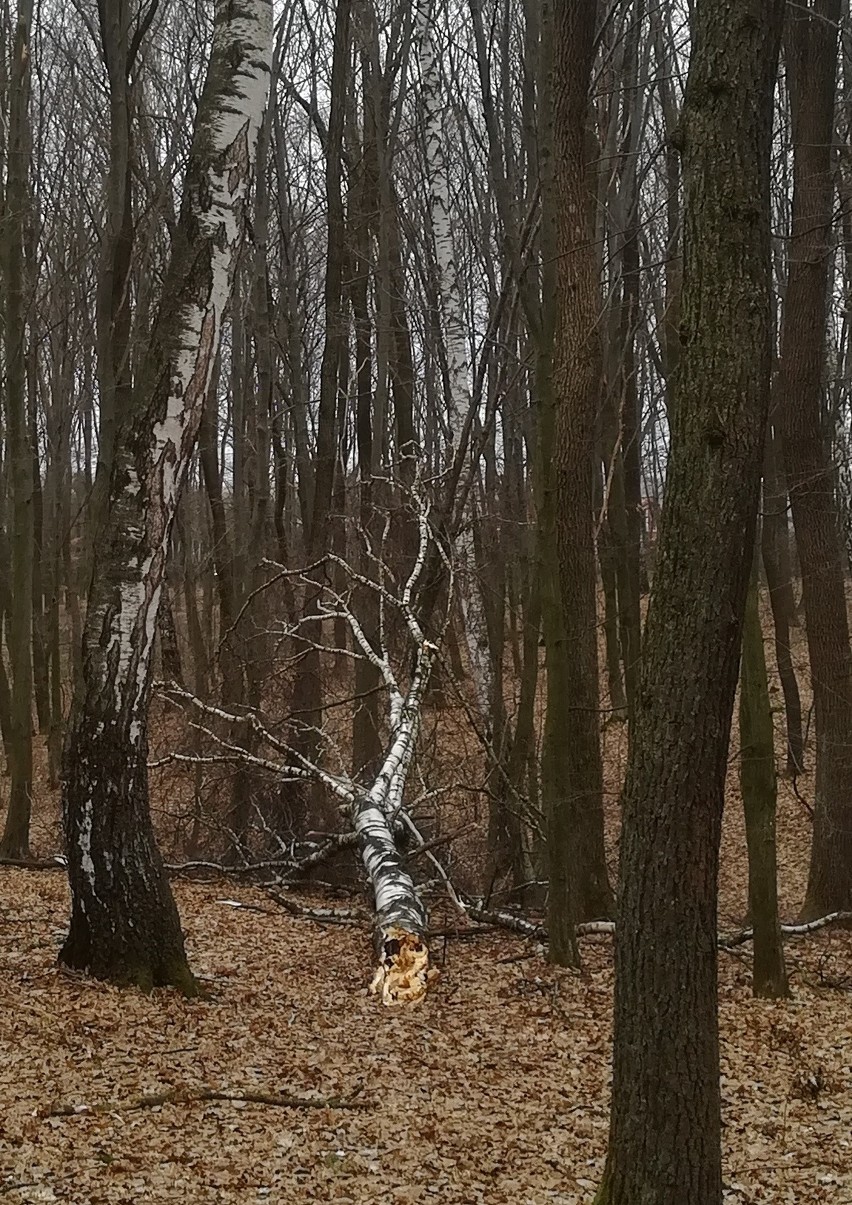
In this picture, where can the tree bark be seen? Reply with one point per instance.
(308, 686)
(665, 1135)
(124, 923)
(576, 826)
(16, 833)
(811, 53)
(757, 782)
(775, 545)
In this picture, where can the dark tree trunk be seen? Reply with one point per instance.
(577, 373)
(308, 684)
(16, 833)
(366, 719)
(757, 782)
(811, 54)
(665, 1137)
(775, 545)
(610, 549)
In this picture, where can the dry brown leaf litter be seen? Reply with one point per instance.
(493, 1090)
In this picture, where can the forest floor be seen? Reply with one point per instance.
(494, 1089)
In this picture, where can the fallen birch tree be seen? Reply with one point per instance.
(374, 807)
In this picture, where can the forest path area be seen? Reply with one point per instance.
(494, 1090)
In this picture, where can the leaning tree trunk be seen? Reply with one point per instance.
(811, 45)
(124, 923)
(665, 1136)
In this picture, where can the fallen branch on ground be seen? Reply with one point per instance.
(246, 907)
(289, 865)
(55, 863)
(533, 930)
(327, 916)
(180, 1096)
(833, 918)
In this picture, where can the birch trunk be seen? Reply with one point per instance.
(434, 106)
(124, 923)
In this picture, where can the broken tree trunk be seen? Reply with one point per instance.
(403, 972)
(375, 805)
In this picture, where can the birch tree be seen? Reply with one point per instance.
(372, 798)
(124, 923)
(455, 337)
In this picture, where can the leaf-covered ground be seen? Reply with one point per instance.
(493, 1090)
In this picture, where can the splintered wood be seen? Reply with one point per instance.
(403, 973)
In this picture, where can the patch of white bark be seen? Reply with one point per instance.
(225, 139)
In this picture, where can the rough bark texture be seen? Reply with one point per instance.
(665, 1121)
(124, 924)
(576, 821)
(758, 785)
(811, 54)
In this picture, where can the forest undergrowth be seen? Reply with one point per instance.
(494, 1089)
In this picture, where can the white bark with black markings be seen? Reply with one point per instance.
(124, 923)
(375, 807)
(435, 104)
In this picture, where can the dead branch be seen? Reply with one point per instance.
(326, 916)
(184, 1095)
(54, 863)
(246, 907)
(833, 918)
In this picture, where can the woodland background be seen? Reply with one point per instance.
(484, 321)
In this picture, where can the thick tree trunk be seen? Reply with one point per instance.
(124, 924)
(811, 46)
(757, 782)
(665, 1136)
